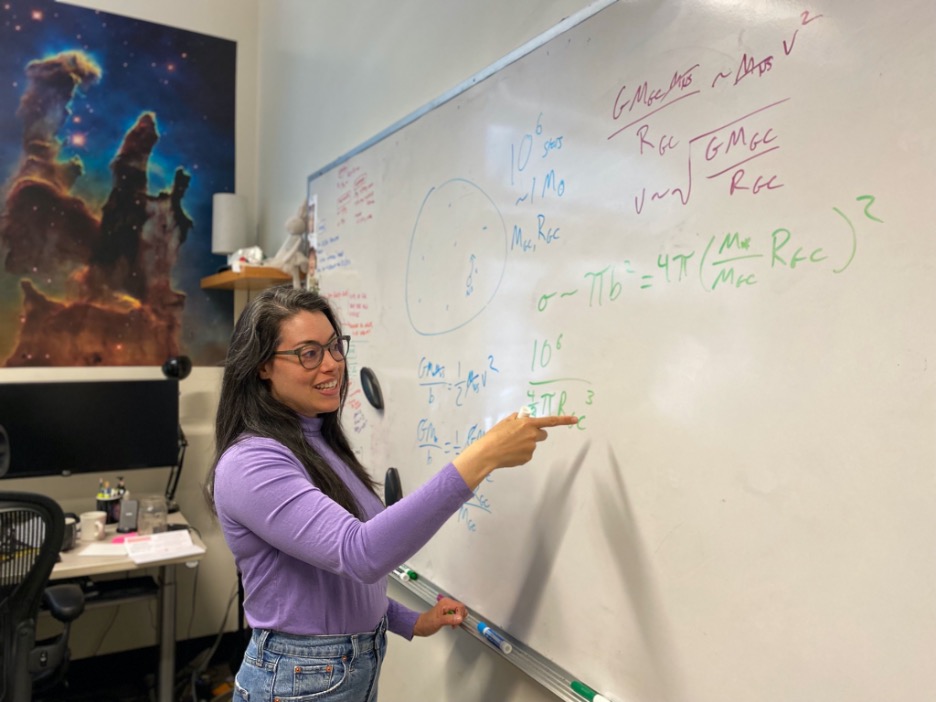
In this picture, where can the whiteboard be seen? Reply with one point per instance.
(706, 228)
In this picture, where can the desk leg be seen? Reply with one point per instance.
(167, 644)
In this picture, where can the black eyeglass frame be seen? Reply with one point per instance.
(330, 347)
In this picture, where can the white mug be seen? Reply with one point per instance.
(92, 525)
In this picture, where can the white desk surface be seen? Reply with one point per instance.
(73, 564)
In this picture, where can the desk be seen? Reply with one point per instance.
(74, 565)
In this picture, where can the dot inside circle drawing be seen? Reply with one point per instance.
(457, 257)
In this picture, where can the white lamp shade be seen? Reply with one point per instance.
(228, 223)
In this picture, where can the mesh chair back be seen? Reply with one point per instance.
(32, 528)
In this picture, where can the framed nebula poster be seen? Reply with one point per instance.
(114, 134)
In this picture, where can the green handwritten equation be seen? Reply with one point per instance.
(547, 395)
(727, 260)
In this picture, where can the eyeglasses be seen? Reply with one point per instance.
(312, 354)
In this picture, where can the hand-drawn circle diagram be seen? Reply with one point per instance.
(457, 257)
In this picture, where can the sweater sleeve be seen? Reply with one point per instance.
(401, 620)
(285, 509)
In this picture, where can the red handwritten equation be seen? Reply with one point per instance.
(356, 197)
(728, 151)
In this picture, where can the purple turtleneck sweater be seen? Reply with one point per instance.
(308, 566)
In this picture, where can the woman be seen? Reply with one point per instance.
(310, 537)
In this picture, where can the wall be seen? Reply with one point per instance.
(332, 75)
(203, 594)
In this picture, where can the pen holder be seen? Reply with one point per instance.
(111, 507)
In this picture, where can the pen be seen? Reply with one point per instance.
(586, 692)
(524, 412)
(495, 638)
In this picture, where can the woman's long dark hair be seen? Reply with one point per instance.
(248, 408)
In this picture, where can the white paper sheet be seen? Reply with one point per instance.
(157, 547)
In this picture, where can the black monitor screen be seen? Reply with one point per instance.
(60, 428)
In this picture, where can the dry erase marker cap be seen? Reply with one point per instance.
(408, 575)
(586, 692)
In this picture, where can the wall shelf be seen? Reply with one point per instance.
(249, 278)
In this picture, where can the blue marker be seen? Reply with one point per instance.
(495, 638)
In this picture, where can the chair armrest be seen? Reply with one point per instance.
(65, 602)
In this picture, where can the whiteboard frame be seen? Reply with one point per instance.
(552, 677)
(568, 23)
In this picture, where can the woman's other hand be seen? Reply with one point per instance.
(447, 612)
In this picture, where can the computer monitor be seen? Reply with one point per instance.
(63, 428)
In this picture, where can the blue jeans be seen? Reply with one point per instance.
(288, 668)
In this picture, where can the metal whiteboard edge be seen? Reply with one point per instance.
(551, 676)
(515, 55)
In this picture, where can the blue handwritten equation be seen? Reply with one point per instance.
(436, 445)
(454, 383)
(536, 180)
(445, 383)
(467, 513)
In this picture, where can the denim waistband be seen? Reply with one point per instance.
(319, 646)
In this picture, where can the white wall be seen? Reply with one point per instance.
(332, 75)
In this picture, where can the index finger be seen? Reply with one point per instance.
(556, 421)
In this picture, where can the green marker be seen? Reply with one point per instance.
(586, 692)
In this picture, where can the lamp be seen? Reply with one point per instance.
(228, 223)
(177, 367)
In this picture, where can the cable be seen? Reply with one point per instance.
(192, 612)
(199, 669)
(173, 483)
(106, 631)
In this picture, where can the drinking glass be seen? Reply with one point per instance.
(152, 514)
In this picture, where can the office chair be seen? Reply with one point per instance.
(32, 528)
